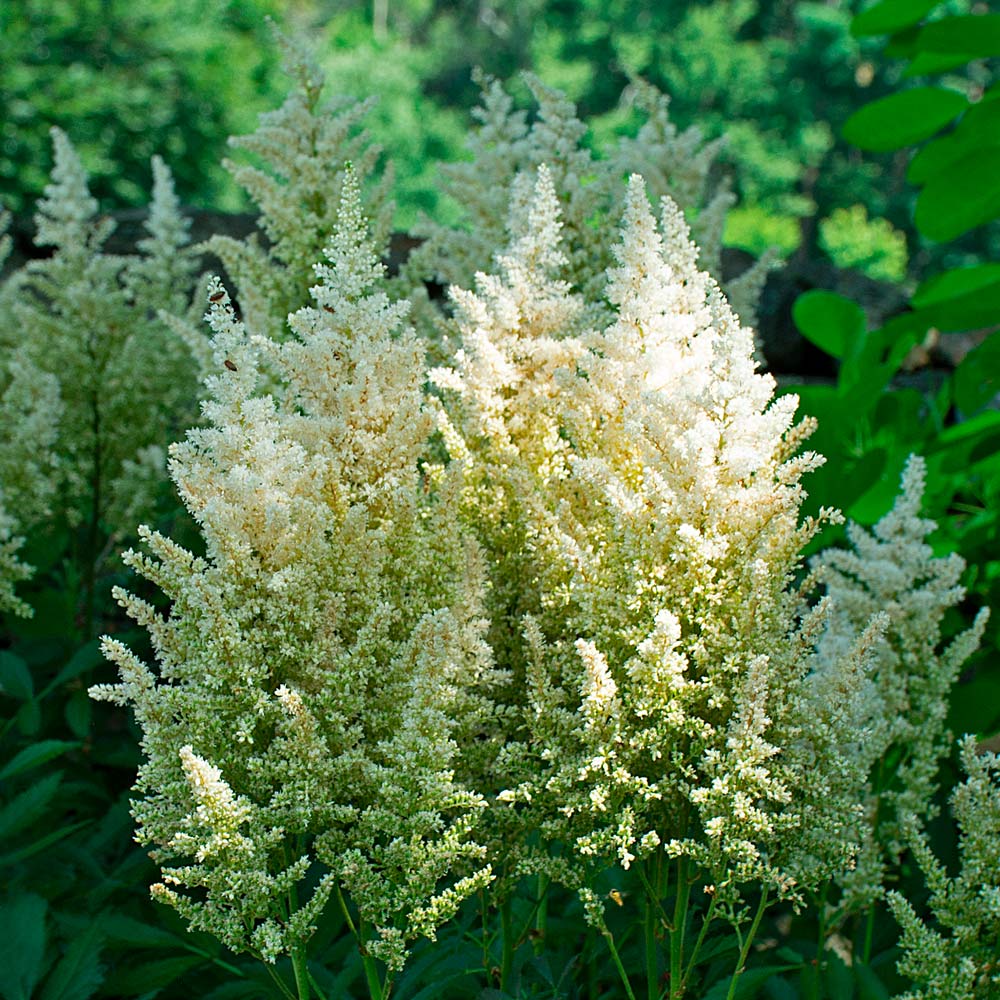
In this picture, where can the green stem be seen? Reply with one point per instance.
(272, 972)
(301, 972)
(679, 929)
(507, 944)
(375, 988)
(745, 950)
(709, 917)
(652, 970)
(869, 933)
(817, 976)
(616, 958)
(542, 916)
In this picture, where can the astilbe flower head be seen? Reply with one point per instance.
(662, 659)
(29, 416)
(507, 149)
(87, 319)
(301, 153)
(957, 957)
(318, 663)
(893, 570)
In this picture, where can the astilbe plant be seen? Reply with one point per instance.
(319, 661)
(86, 321)
(957, 957)
(507, 149)
(636, 489)
(892, 569)
(300, 155)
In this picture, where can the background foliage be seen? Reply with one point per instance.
(869, 144)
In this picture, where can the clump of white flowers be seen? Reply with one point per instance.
(97, 377)
(892, 570)
(507, 149)
(958, 957)
(319, 662)
(637, 491)
(300, 155)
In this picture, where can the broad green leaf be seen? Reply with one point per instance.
(870, 987)
(79, 972)
(78, 713)
(932, 63)
(85, 658)
(978, 35)
(34, 756)
(124, 930)
(903, 119)
(749, 984)
(830, 321)
(949, 285)
(978, 129)
(977, 378)
(25, 808)
(13, 857)
(22, 945)
(890, 16)
(960, 197)
(975, 706)
(149, 976)
(15, 677)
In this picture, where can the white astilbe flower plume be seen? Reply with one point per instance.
(663, 668)
(958, 955)
(303, 151)
(507, 149)
(892, 569)
(320, 661)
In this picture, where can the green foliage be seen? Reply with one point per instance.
(126, 81)
(873, 246)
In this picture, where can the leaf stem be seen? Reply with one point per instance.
(745, 949)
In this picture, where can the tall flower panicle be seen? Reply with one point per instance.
(321, 660)
(650, 484)
(304, 149)
(84, 322)
(893, 570)
(956, 956)
(508, 147)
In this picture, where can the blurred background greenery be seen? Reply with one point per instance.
(129, 78)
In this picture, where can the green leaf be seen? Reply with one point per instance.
(932, 63)
(977, 35)
(975, 706)
(25, 808)
(22, 945)
(79, 972)
(85, 658)
(950, 285)
(977, 378)
(964, 195)
(78, 713)
(149, 976)
(978, 129)
(870, 987)
(15, 677)
(750, 983)
(903, 119)
(13, 857)
(124, 930)
(830, 321)
(34, 756)
(890, 16)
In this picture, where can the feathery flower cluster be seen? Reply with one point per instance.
(507, 150)
(319, 662)
(304, 148)
(892, 570)
(637, 492)
(965, 964)
(85, 321)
